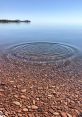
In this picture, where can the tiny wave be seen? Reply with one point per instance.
(41, 52)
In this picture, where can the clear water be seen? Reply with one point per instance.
(11, 34)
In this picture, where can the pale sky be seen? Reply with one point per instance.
(45, 11)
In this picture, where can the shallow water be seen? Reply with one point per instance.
(42, 52)
(11, 34)
(21, 82)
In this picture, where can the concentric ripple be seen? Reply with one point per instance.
(41, 52)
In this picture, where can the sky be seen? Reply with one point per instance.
(43, 11)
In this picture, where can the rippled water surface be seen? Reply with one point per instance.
(37, 65)
(17, 34)
(42, 52)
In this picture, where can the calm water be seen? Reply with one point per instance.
(11, 34)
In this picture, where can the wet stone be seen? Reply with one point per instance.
(1, 94)
(25, 109)
(31, 115)
(17, 103)
(34, 102)
(23, 90)
(63, 114)
(34, 107)
(1, 90)
(56, 113)
(23, 96)
(16, 96)
(69, 115)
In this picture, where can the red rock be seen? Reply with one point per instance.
(31, 115)
(1, 90)
(56, 113)
(1, 94)
(23, 97)
(51, 111)
(17, 103)
(23, 90)
(16, 96)
(34, 107)
(68, 115)
(63, 114)
(25, 109)
(34, 102)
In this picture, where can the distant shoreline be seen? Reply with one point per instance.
(14, 21)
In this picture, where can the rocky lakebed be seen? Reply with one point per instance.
(40, 80)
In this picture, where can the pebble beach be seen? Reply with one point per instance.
(39, 89)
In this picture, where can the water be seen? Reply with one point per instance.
(40, 61)
(11, 34)
(41, 52)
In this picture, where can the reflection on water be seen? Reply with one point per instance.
(41, 52)
(21, 33)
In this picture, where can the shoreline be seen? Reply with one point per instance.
(14, 21)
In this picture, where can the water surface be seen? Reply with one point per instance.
(11, 34)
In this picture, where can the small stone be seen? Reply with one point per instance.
(29, 107)
(53, 91)
(17, 103)
(53, 86)
(65, 103)
(31, 115)
(34, 107)
(40, 88)
(1, 90)
(23, 90)
(31, 87)
(14, 86)
(19, 111)
(46, 75)
(19, 115)
(63, 114)
(16, 96)
(1, 94)
(49, 96)
(56, 113)
(68, 115)
(1, 109)
(76, 96)
(37, 99)
(18, 86)
(25, 109)
(11, 81)
(51, 111)
(34, 102)
(23, 97)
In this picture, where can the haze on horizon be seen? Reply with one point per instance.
(43, 11)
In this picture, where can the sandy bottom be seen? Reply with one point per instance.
(40, 90)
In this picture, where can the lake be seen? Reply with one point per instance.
(47, 42)
(40, 70)
(11, 34)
